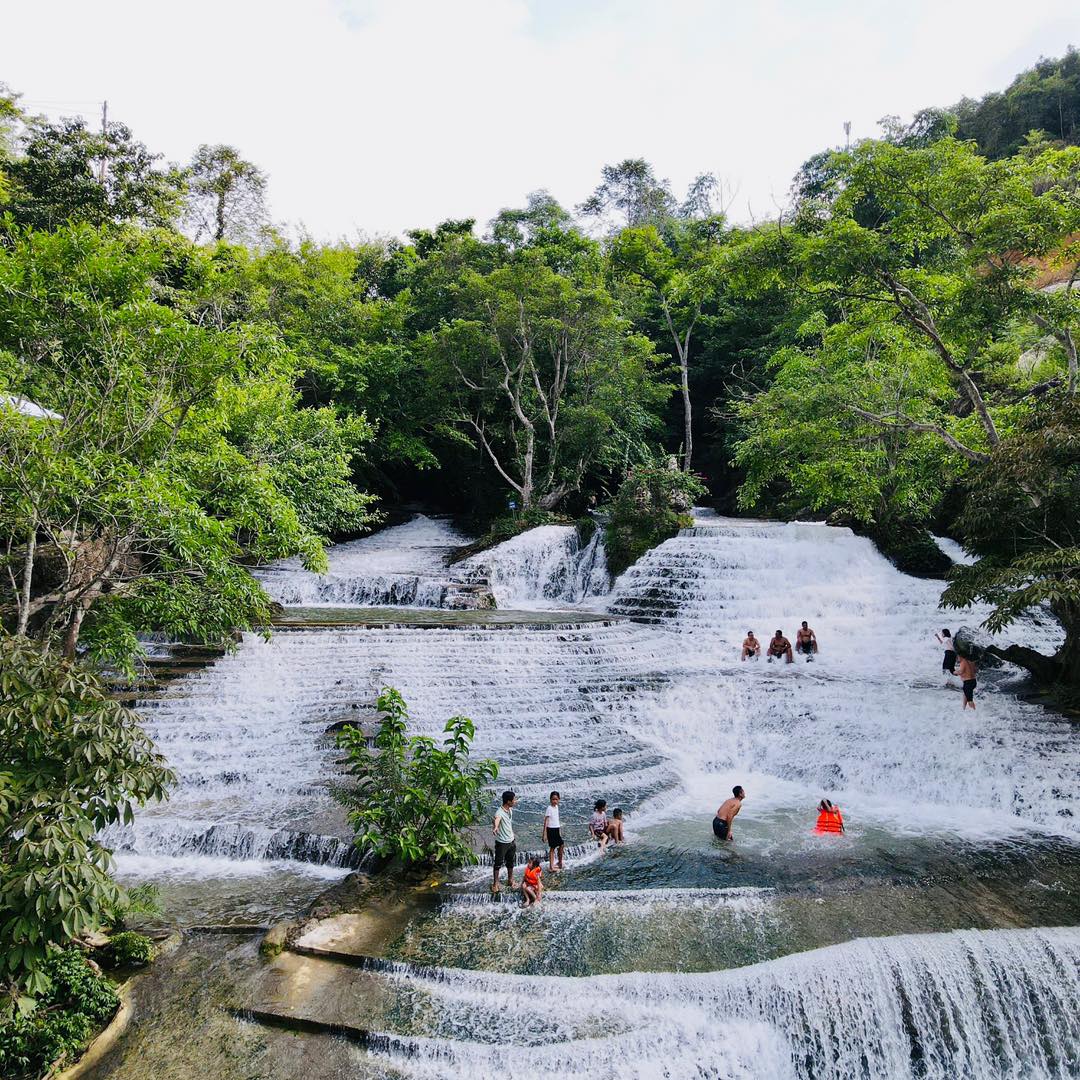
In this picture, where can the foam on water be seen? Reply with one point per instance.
(405, 565)
(545, 567)
(967, 1005)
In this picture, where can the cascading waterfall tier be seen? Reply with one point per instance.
(403, 566)
(967, 1005)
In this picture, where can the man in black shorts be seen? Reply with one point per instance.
(721, 825)
(505, 847)
(967, 675)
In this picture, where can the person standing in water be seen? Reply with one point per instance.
(806, 641)
(721, 825)
(780, 646)
(552, 833)
(967, 675)
(948, 662)
(505, 848)
(751, 647)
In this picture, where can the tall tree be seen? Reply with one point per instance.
(226, 197)
(67, 173)
(545, 376)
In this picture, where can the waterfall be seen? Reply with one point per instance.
(545, 567)
(403, 566)
(966, 1005)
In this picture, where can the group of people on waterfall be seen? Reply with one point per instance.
(962, 667)
(603, 829)
(780, 648)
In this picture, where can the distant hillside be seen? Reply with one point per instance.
(1044, 98)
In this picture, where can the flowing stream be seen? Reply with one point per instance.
(936, 938)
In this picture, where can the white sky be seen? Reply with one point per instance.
(376, 116)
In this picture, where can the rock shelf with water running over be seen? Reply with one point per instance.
(937, 938)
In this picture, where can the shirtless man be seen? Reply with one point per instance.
(721, 825)
(780, 646)
(967, 672)
(751, 647)
(806, 641)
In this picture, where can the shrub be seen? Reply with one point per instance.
(76, 1004)
(412, 798)
(71, 762)
(127, 950)
(140, 900)
(651, 505)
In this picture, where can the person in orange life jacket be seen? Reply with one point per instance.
(532, 886)
(829, 819)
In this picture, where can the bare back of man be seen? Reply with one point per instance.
(726, 814)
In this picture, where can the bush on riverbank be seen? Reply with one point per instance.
(79, 1001)
(506, 528)
(652, 504)
(414, 800)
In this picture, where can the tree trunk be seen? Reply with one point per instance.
(1062, 669)
(71, 635)
(27, 578)
(688, 437)
(219, 215)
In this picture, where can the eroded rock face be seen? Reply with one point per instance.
(973, 643)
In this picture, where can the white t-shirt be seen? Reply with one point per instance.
(551, 818)
(947, 643)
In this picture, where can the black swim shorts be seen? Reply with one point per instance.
(720, 828)
(505, 854)
(969, 689)
(554, 838)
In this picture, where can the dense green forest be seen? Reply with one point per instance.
(186, 392)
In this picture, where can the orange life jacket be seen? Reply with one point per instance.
(830, 821)
(532, 876)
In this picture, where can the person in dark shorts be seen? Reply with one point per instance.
(505, 848)
(721, 825)
(552, 833)
(948, 662)
(967, 675)
(780, 646)
(806, 641)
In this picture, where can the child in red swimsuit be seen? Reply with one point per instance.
(532, 886)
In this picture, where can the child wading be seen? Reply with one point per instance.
(532, 886)
(598, 824)
(552, 833)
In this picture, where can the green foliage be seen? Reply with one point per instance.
(139, 901)
(412, 798)
(1022, 517)
(77, 1002)
(1045, 98)
(68, 173)
(179, 451)
(71, 763)
(652, 504)
(127, 950)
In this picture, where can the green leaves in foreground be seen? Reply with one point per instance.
(71, 762)
(413, 799)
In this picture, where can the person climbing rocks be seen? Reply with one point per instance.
(721, 825)
(967, 673)
(552, 832)
(531, 885)
(829, 819)
(780, 646)
(948, 662)
(751, 647)
(806, 641)
(505, 848)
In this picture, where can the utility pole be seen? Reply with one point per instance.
(104, 133)
(847, 134)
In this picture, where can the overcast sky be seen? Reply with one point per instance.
(376, 116)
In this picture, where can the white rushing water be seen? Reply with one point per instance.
(406, 565)
(546, 567)
(967, 1005)
(655, 712)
